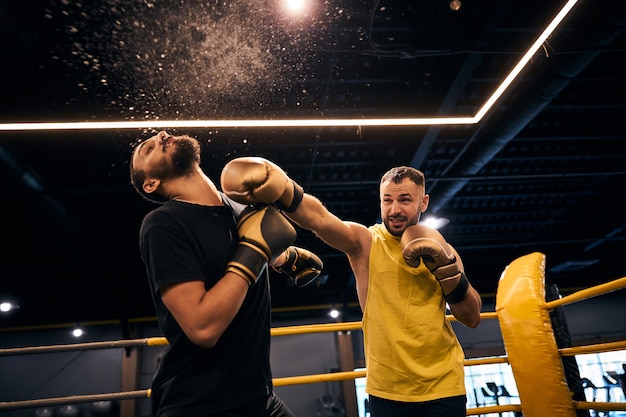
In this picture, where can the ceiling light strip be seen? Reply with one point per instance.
(504, 85)
(415, 121)
(156, 124)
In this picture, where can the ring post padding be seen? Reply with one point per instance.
(529, 340)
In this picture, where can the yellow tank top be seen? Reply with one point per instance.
(411, 351)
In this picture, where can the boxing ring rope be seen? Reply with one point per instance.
(521, 310)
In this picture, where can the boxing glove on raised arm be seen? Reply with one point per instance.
(263, 234)
(301, 265)
(425, 244)
(250, 180)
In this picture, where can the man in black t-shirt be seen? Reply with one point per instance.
(206, 258)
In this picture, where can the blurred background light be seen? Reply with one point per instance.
(435, 222)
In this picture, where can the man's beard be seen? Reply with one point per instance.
(185, 157)
(398, 232)
(393, 232)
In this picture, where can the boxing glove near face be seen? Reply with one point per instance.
(250, 180)
(420, 243)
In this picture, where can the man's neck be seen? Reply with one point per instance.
(196, 189)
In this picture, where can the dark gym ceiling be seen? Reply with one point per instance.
(542, 171)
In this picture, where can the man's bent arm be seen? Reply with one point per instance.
(467, 312)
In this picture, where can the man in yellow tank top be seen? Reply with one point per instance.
(406, 274)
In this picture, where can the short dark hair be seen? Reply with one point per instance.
(137, 178)
(397, 174)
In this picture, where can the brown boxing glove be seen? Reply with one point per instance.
(263, 234)
(250, 180)
(301, 265)
(421, 243)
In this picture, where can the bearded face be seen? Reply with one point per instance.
(180, 154)
(163, 157)
(185, 155)
(401, 204)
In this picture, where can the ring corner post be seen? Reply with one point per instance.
(529, 339)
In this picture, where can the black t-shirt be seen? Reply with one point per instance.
(186, 242)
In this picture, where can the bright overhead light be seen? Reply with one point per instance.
(412, 121)
(434, 222)
(295, 5)
(7, 306)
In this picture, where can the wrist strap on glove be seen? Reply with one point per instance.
(248, 262)
(298, 194)
(459, 293)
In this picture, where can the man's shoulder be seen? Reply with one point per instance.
(158, 215)
(360, 238)
(377, 228)
(160, 210)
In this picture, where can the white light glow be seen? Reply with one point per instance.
(415, 121)
(296, 10)
(78, 332)
(435, 222)
(4, 307)
(294, 5)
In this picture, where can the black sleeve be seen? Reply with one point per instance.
(167, 253)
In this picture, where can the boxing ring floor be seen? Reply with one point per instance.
(533, 341)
